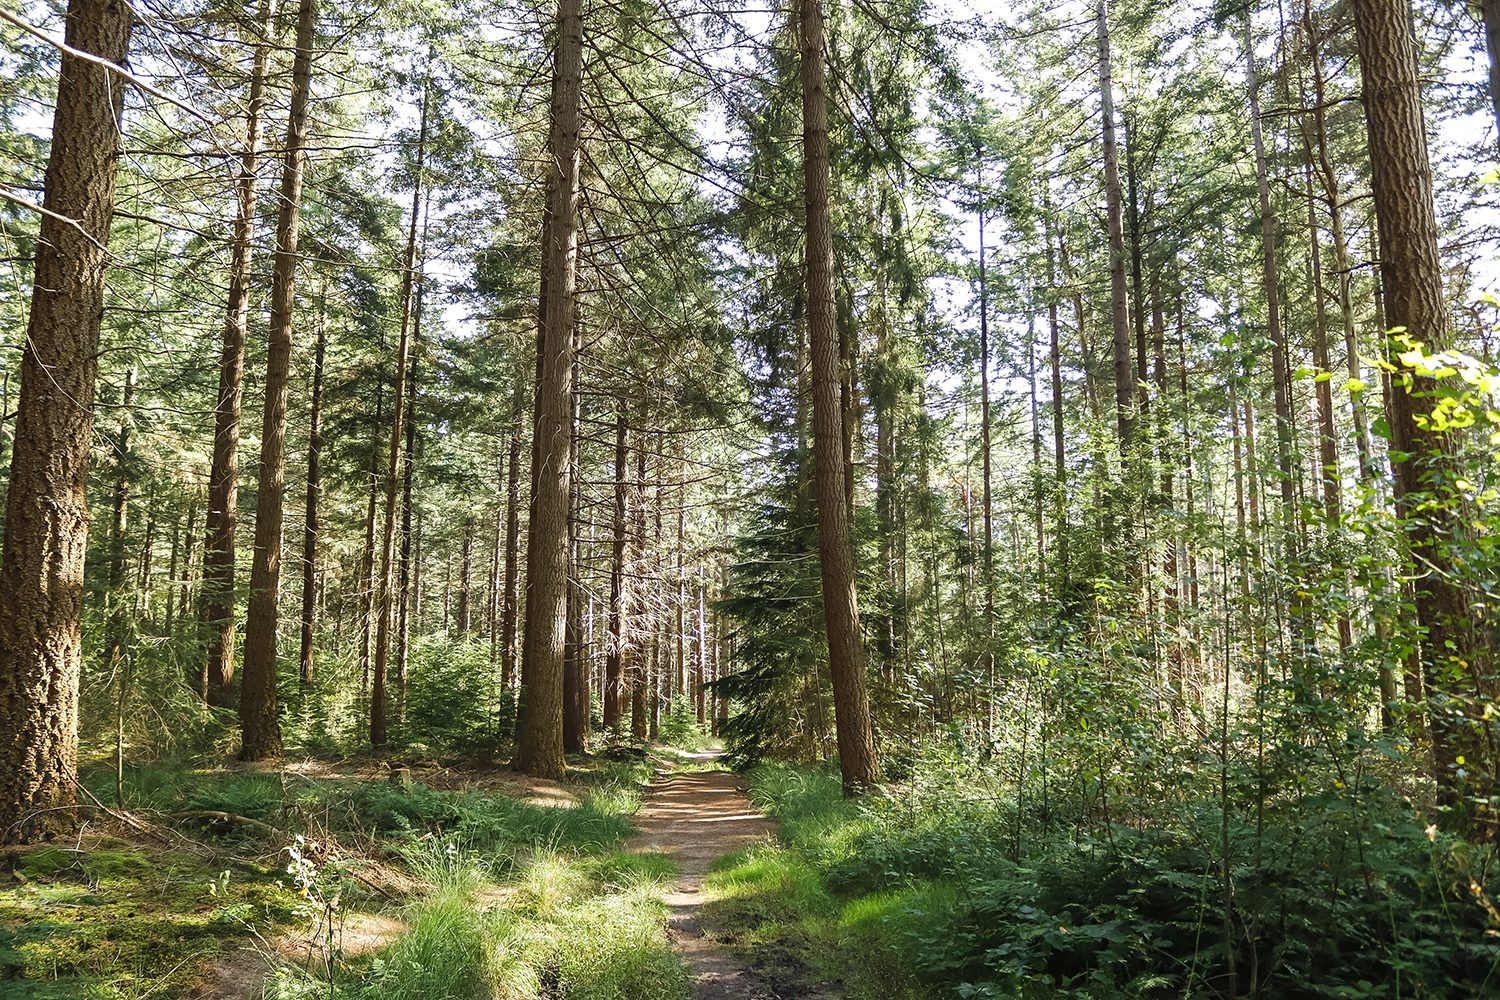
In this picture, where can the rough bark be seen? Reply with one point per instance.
(1411, 275)
(216, 609)
(856, 744)
(47, 519)
(539, 749)
(260, 732)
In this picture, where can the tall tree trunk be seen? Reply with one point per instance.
(1118, 297)
(217, 605)
(539, 749)
(511, 604)
(114, 598)
(47, 521)
(986, 503)
(367, 557)
(1490, 13)
(635, 671)
(856, 743)
(1059, 455)
(185, 590)
(407, 571)
(1411, 275)
(260, 732)
(386, 583)
(619, 597)
(1272, 289)
(575, 681)
(463, 613)
(314, 493)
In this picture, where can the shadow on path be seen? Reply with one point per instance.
(695, 818)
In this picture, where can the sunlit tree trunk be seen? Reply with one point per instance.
(539, 749)
(46, 513)
(1118, 297)
(856, 743)
(1411, 276)
(260, 732)
(386, 582)
(217, 604)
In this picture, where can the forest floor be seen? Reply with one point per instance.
(516, 887)
(695, 818)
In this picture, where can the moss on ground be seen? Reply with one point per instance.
(110, 919)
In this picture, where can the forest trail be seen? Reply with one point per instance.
(694, 818)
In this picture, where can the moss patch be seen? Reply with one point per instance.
(100, 921)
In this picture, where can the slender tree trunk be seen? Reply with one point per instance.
(260, 732)
(314, 493)
(1059, 455)
(539, 748)
(367, 557)
(986, 503)
(1119, 302)
(386, 583)
(635, 673)
(1272, 288)
(575, 681)
(46, 523)
(511, 604)
(406, 571)
(217, 605)
(463, 613)
(619, 598)
(1411, 276)
(856, 742)
(114, 597)
(185, 591)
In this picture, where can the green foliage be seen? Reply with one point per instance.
(1324, 891)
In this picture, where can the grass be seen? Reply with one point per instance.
(560, 926)
(517, 897)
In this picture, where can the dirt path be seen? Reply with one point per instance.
(694, 818)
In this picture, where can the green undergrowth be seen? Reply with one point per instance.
(490, 881)
(112, 919)
(943, 888)
(577, 924)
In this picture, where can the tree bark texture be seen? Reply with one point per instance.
(856, 743)
(47, 518)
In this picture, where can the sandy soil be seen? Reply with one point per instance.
(695, 818)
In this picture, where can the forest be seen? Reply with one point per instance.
(660, 499)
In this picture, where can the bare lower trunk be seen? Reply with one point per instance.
(857, 760)
(260, 732)
(217, 606)
(386, 582)
(1411, 275)
(619, 598)
(46, 524)
(310, 520)
(539, 747)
